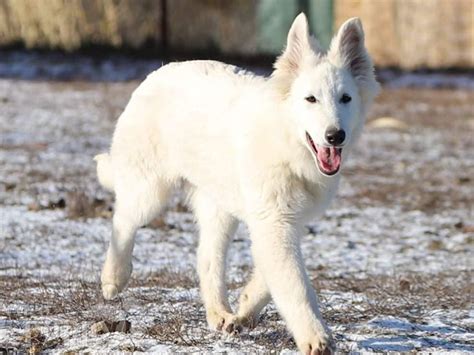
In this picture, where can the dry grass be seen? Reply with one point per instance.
(78, 205)
(410, 296)
(275, 336)
(176, 326)
(390, 23)
(70, 299)
(75, 23)
(167, 278)
(74, 301)
(74, 298)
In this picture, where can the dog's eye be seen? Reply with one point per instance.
(345, 98)
(311, 99)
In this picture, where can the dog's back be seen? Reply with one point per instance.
(184, 120)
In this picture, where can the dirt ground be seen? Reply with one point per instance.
(391, 259)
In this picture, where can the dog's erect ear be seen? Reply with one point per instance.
(348, 50)
(300, 47)
(297, 46)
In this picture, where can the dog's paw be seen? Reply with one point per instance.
(114, 280)
(319, 344)
(224, 322)
(109, 291)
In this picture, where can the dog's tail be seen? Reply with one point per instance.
(105, 171)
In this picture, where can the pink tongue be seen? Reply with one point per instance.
(330, 158)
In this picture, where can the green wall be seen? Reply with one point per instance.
(274, 18)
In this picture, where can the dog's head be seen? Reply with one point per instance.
(327, 93)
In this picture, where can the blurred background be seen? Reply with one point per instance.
(404, 34)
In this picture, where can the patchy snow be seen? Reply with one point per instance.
(404, 211)
(38, 65)
(428, 79)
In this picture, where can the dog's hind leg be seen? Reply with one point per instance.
(216, 229)
(138, 200)
(253, 298)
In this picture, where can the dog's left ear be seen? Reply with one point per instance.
(300, 46)
(348, 50)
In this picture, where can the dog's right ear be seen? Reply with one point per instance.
(297, 46)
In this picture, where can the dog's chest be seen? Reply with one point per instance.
(317, 197)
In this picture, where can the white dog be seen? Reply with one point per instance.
(265, 151)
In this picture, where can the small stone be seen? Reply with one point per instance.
(320, 267)
(34, 206)
(9, 186)
(122, 326)
(436, 245)
(181, 207)
(405, 285)
(77, 205)
(61, 203)
(158, 223)
(468, 229)
(388, 123)
(101, 327)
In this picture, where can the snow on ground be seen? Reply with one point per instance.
(391, 260)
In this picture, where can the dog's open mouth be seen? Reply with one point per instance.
(328, 158)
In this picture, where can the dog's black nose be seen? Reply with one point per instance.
(335, 136)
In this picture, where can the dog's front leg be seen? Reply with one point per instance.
(277, 255)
